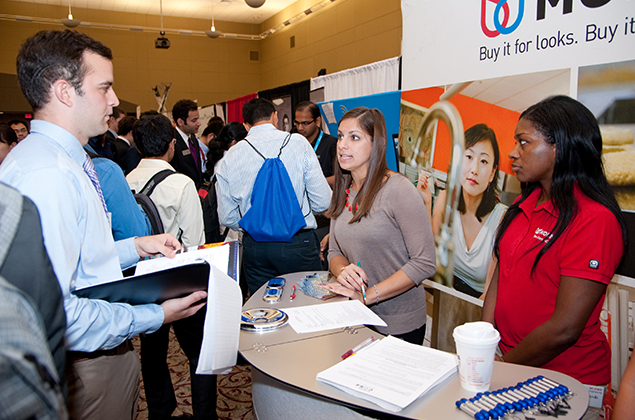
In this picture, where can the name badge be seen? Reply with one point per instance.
(596, 395)
(186, 152)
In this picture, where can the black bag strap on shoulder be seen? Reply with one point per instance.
(92, 155)
(147, 205)
(284, 144)
(155, 180)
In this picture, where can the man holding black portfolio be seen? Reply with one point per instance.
(67, 78)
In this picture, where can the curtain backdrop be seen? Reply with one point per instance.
(382, 76)
(235, 107)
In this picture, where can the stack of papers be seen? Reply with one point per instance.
(392, 373)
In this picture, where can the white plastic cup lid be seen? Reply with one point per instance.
(480, 333)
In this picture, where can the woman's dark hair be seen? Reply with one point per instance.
(218, 145)
(214, 126)
(7, 134)
(473, 135)
(569, 125)
(373, 123)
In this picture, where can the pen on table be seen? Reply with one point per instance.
(293, 292)
(363, 288)
(358, 347)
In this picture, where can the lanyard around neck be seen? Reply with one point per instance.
(317, 143)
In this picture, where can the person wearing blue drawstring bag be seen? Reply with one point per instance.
(269, 187)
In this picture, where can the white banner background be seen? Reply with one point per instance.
(443, 41)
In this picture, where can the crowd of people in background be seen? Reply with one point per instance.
(542, 265)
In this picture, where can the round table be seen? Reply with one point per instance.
(289, 362)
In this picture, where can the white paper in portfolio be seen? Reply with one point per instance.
(401, 372)
(221, 334)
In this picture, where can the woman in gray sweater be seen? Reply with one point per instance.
(381, 245)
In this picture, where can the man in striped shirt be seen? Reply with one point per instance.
(236, 174)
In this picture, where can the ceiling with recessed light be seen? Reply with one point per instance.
(224, 10)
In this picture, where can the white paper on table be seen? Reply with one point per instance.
(328, 316)
(222, 325)
(401, 372)
(224, 305)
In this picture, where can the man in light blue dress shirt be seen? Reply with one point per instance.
(67, 78)
(236, 174)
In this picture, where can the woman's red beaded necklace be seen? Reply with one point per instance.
(347, 205)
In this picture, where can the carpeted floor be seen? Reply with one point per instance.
(234, 389)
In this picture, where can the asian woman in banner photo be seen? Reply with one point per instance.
(558, 246)
(479, 210)
(380, 248)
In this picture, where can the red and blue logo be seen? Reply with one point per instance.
(501, 17)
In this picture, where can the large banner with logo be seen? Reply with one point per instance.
(506, 55)
(493, 59)
(449, 41)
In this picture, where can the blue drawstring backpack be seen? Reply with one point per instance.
(275, 214)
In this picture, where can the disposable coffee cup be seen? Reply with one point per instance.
(476, 348)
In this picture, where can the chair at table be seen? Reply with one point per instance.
(451, 309)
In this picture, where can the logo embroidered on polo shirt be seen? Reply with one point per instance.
(594, 264)
(542, 235)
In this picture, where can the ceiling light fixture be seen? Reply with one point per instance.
(213, 33)
(70, 22)
(255, 3)
(164, 41)
(295, 18)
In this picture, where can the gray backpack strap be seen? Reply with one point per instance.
(10, 215)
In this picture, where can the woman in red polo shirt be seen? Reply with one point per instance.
(558, 246)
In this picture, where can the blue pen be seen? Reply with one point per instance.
(363, 288)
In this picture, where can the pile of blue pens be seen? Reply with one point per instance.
(537, 395)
